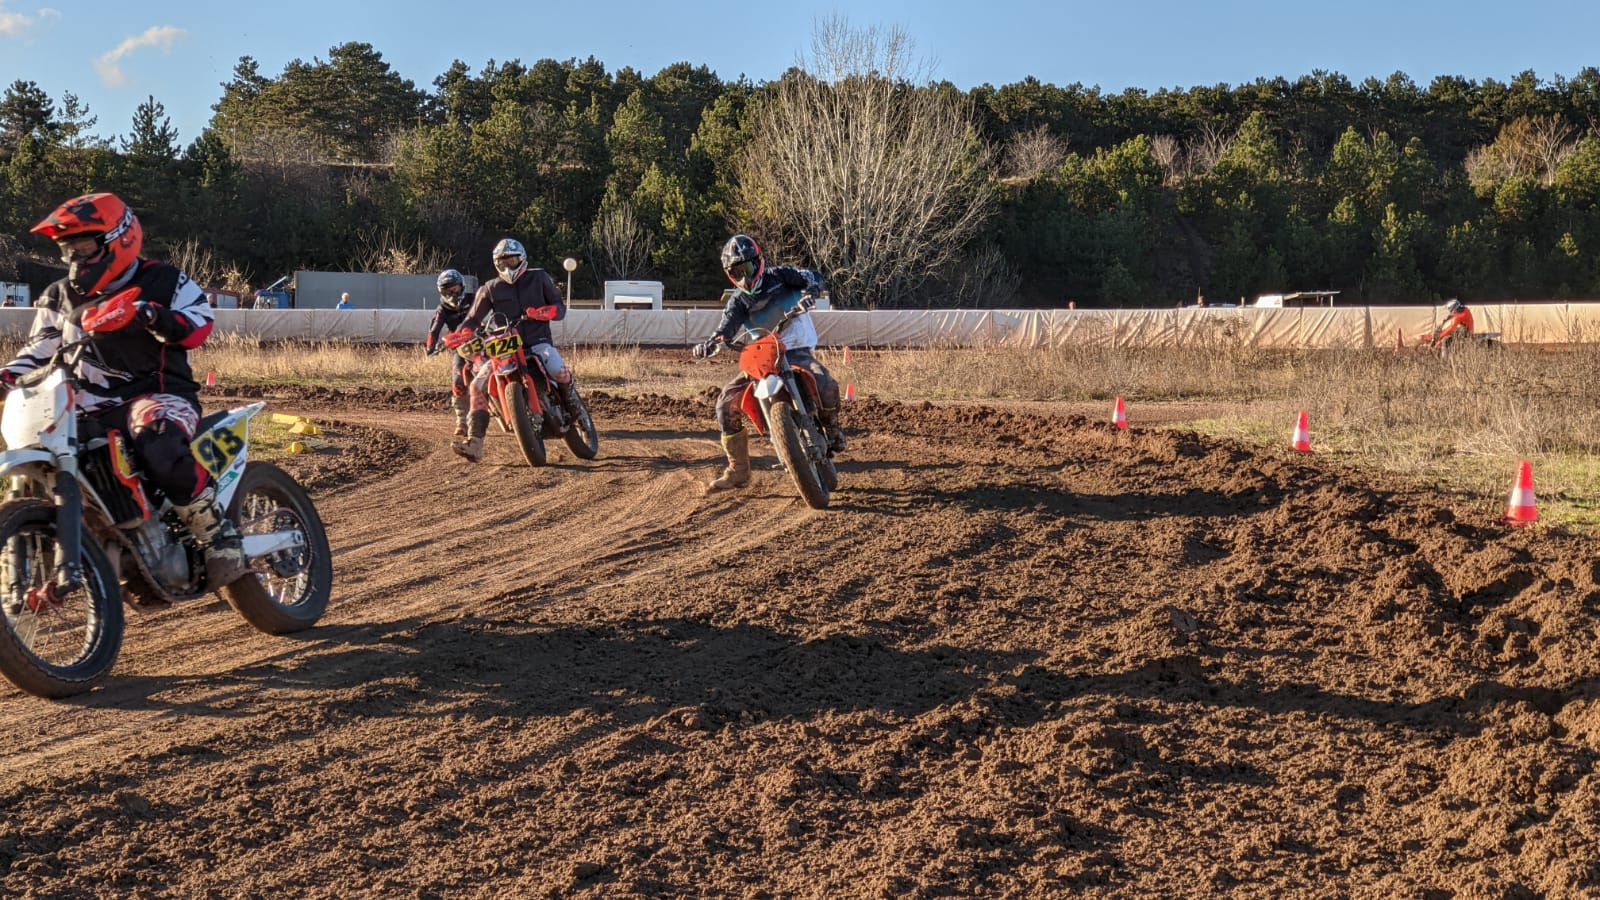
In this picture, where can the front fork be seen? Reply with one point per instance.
(69, 534)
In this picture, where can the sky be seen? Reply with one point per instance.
(112, 55)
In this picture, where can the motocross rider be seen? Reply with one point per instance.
(449, 315)
(1459, 317)
(521, 293)
(136, 370)
(758, 286)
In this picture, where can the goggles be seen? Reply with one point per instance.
(742, 271)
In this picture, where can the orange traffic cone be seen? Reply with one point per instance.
(1119, 415)
(1520, 509)
(1302, 433)
(211, 379)
(849, 392)
(847, 354)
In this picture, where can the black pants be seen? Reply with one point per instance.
(159, 428)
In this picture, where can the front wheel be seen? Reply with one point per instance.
(53, 646)
(528, 434)
(792, 453)
(582, 438)
(289, 590)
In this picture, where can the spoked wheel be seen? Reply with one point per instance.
(53, 645)
(790, 446)
(289, 590)
(582, 438)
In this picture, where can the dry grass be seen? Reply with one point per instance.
(1459, 424)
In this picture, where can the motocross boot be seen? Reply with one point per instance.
(471, 449)
(737, 474)
(459, 404)
(828, 418)
(569, 399)
(225, 560)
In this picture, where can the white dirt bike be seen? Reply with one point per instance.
(80, 532)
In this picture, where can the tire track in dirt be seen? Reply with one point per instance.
(1024, 655)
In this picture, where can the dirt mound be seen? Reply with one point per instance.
(1022, 656)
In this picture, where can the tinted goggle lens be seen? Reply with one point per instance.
(507, 262)
(741, 271)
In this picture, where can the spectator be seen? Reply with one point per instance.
(10, 301)
(344, 301)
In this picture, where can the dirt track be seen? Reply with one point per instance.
(1023, 656)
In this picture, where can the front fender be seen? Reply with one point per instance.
(11, 460)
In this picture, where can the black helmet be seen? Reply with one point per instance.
(741, 260)
(452, 287)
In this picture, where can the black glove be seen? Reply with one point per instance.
(145, 312)
(704, 349)
(435, 347)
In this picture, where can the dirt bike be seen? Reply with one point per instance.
(523, 398)
(80, 534)
(1458, 341)
(782, 402)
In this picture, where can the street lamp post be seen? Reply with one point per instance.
(569, 264)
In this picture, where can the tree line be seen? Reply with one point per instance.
(903, 190)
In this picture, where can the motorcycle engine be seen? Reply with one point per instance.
(162, 552)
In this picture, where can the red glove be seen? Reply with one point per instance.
(542, 313)
(458, 337)
(112, 314)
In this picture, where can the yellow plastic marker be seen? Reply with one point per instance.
(304, 427)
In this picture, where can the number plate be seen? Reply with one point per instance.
(503, 346)
(470, 349)
(217, 448)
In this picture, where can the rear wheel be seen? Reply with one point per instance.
(53, 646)
(528, 434)
(791, 450)
(290, 589)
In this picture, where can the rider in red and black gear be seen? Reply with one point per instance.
(448, 317)
(758, 285)
(136, 372)
(517, 290)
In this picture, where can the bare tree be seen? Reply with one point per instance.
(1170, 157)
(879, 180)
(1206, 150)
(619, 245)
(1529, 147)
(385, 252)
(1034, 153)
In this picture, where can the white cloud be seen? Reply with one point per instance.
(13, 24)
(109, 66)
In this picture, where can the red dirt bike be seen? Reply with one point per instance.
(523, 397)
(782, 403)
(80, 534)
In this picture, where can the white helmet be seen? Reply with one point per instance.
(510, 260)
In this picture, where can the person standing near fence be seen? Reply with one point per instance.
(344, 301)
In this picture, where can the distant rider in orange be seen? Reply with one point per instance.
(1459, 318)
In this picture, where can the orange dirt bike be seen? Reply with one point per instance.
(782, 402)
(523, 398)
(80, 533)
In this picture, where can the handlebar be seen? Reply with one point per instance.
(59, 359)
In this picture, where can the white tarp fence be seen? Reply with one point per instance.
(1351, 327)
